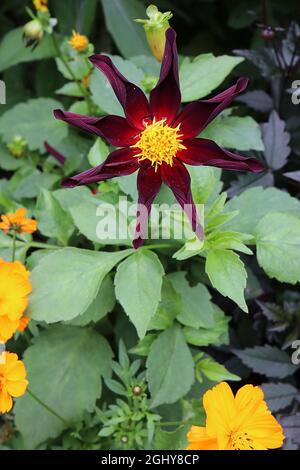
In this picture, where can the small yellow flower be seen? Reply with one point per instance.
(41, 5)
(17, 222)
(241, 422)
(79, 42)
(13, 381)
(15, 288)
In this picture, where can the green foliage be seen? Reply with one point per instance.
(196, 308)
(102, 92)
(278, 246)
(240, 133)
(265, 201)
(173, 308)
(13, 50)
(200, 76)
(58, 351)
(66, 282)
(98, 152)
(34, 121)
(138, 297)
(228, 275)
(130, 39)
(52, 219)
(170, 377)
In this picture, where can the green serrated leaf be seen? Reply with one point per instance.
(172, 376)
(228, 275)
(138, 285)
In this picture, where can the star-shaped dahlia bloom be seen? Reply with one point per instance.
(156, 138)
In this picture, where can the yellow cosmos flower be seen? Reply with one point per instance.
(17, 222)
(23, 323)
(13, 381)
(241, 422)
(41, 5)
(14, 290)
(79, 42)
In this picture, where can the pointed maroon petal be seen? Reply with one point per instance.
(119, 163)
(114, 129)
(55, 153)
(148, 184)
(131, 97)
(198, 114)
(179, 181)
(207, 152)
(165, 97)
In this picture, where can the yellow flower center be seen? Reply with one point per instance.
(41, 5)
(159, 143)
(79, 42)
(241, 441)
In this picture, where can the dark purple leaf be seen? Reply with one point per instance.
(279, 395)
(276, 141)
(293, 175)
(258, 100)
(250, 180)
(267, 360)
(291, 427)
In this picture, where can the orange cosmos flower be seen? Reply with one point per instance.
(23, 323)
(17, 222)
(79, 42)
(41, 5)
(14, 290)
(241, 422)
(13, 381)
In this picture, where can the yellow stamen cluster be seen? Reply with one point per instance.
(159, 143)
(41, 5)
(79, 42)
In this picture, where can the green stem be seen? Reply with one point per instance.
(50, 410)
(13, 256)
(82, 89)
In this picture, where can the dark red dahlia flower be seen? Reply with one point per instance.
(156, 139)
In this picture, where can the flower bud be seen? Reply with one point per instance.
(33, 32)
(155, 29)
(17, 146)
(137, 390)
(268, 33)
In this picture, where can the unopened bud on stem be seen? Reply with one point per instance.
(155, 29)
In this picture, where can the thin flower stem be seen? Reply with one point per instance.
(13, 256)
(50, 410)
(82, 89)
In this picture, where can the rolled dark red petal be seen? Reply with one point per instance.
(55, 153)
(131, 97)
(165, 98)
(198, 114)
(119, 163)
(148, 184)
(207, 152)
(179, 181)
(114, 129)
